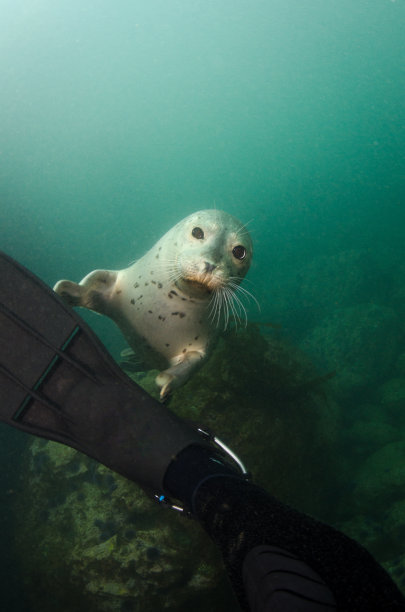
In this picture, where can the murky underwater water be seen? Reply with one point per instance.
(118, 120)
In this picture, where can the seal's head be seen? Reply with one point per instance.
(210, 254)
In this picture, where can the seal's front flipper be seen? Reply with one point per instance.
(177, 374)
(94, 292)
(57, 381)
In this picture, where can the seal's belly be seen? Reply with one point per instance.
(157, 319)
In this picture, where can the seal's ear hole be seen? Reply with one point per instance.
(239, 252)
(197, 233)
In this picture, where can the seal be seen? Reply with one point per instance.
(170, 304)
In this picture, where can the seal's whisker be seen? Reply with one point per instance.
(237, 288)
(173, 273)
(243, 227)
(242, 309)
(231, 307)
(220, 300)
(218, 306)
(234, 306)
(241, 233)
(225, 302)
(247, 294)
(211, 306)
(236, 303)
(165, 260)
(166, 264)
(226, 307)
(245, 280)
(215, 308)
(174, 276)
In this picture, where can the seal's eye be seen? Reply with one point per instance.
(239, 252)
(198, 233)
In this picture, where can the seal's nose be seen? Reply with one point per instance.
(209, 267)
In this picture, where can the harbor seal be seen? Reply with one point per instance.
(170, 303)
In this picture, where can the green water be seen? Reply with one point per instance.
(117, 119)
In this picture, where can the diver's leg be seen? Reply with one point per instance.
(334, 572)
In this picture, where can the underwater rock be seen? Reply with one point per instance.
(360, 343)
(105, 546)
(365, 436)
(393, 399)
(382, 538)
(379, 498)
(273, 409)
(396, 567)
(395, 524)
(369, 532)
(400, 365)
(380, 480)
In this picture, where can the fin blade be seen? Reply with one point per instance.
(39, 334)
(58, 381)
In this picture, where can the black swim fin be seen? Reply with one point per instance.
(58, 381)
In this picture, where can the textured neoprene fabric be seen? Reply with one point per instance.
(240, 516)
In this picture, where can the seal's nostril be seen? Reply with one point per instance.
(209, 267)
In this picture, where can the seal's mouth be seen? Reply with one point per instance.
(200, 285)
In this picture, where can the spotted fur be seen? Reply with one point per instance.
(174, 318)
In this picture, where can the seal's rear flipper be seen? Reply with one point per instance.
(57, 381)
(93, 292)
